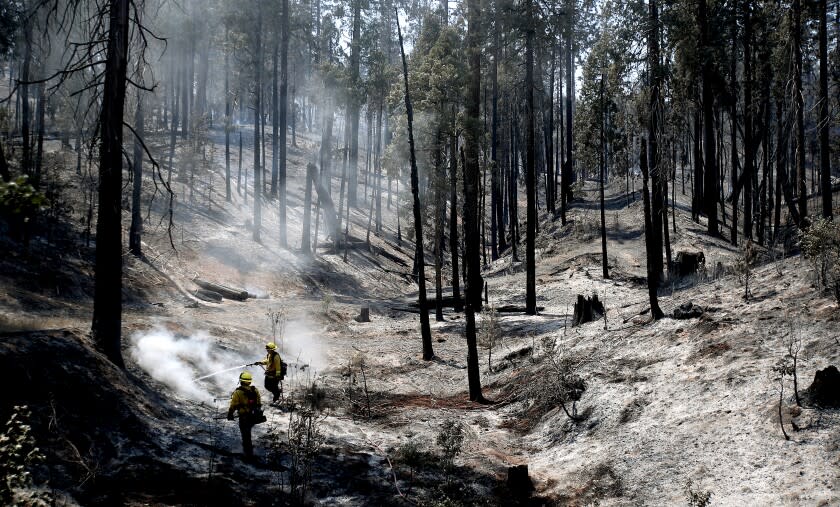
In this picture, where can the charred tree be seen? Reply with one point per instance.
(655, 159)
(136, 229)
(453, 215)
(530, 176)
(602, 164)
(282, 114)
(652, 275)
(107, 298)
(25, 116)
(497, 226)
(568, 165)
(425, 330)
(710, 167)
(227, 118)
(39, 144)
(354, 106)
(306, 241)
(824, 124)
(275, 109)
(258, 65)
(474, 283)
(799, 107)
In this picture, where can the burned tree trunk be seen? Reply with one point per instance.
(474, 281)
(134, 235)
(530, 176)
(425, 330)
(305, 242)
(652, 275)
(107, 298)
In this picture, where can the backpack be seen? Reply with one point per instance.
(283, 368)
(255, 412)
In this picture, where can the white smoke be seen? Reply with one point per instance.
(178, 360)
(299, 346)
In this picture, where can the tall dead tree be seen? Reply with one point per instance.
(530, 176)
(799, 106)
(353, 104)
(710, 168)
(281, 119)
(568, 166)
(823, 123)
(258, 65)
(652, 275)
(25, 116)
(602, 163)
(107, 296)
(136, 229)
(425, 330)
(497, 226)
(227, 116)
(474, 283)
(657, 172)
(453, 214)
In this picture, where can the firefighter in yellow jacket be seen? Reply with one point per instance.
(273, 370)
(245, 401)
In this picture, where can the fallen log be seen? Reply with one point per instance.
(207, 295)
(431, 308)
(515, 309)
(224, 290)
(431, 302)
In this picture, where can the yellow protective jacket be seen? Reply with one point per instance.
(242, 402)
(272, 364)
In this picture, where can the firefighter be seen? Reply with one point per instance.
(245, 400)
(273, 371)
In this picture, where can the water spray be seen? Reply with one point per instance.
(225, 370)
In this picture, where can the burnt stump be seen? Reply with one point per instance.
(587, 309)
(825, 390)
(519, 482)
(689, 263)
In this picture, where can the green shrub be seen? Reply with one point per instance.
(450, 439)
(18, 454)
(20, 202)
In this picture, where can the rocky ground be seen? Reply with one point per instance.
(659, 405)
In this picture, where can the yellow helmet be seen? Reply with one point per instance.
(245, 377)
(271, 346)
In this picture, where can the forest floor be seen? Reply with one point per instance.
(666, 404)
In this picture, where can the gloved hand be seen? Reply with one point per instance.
(230, 416)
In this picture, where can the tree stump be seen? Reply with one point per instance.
(825, 390)
(519, 482)
(587, 310)
(689, 263)
(364, 314)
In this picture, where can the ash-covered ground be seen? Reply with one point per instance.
(660, 407)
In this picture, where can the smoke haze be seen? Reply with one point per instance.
(177, 360)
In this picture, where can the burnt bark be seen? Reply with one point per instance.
(425, 330)
(136, 229)
(530, 176)
(282, 114)
(824, 124)
(107, 298)
(652, 277)
(474, 283)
